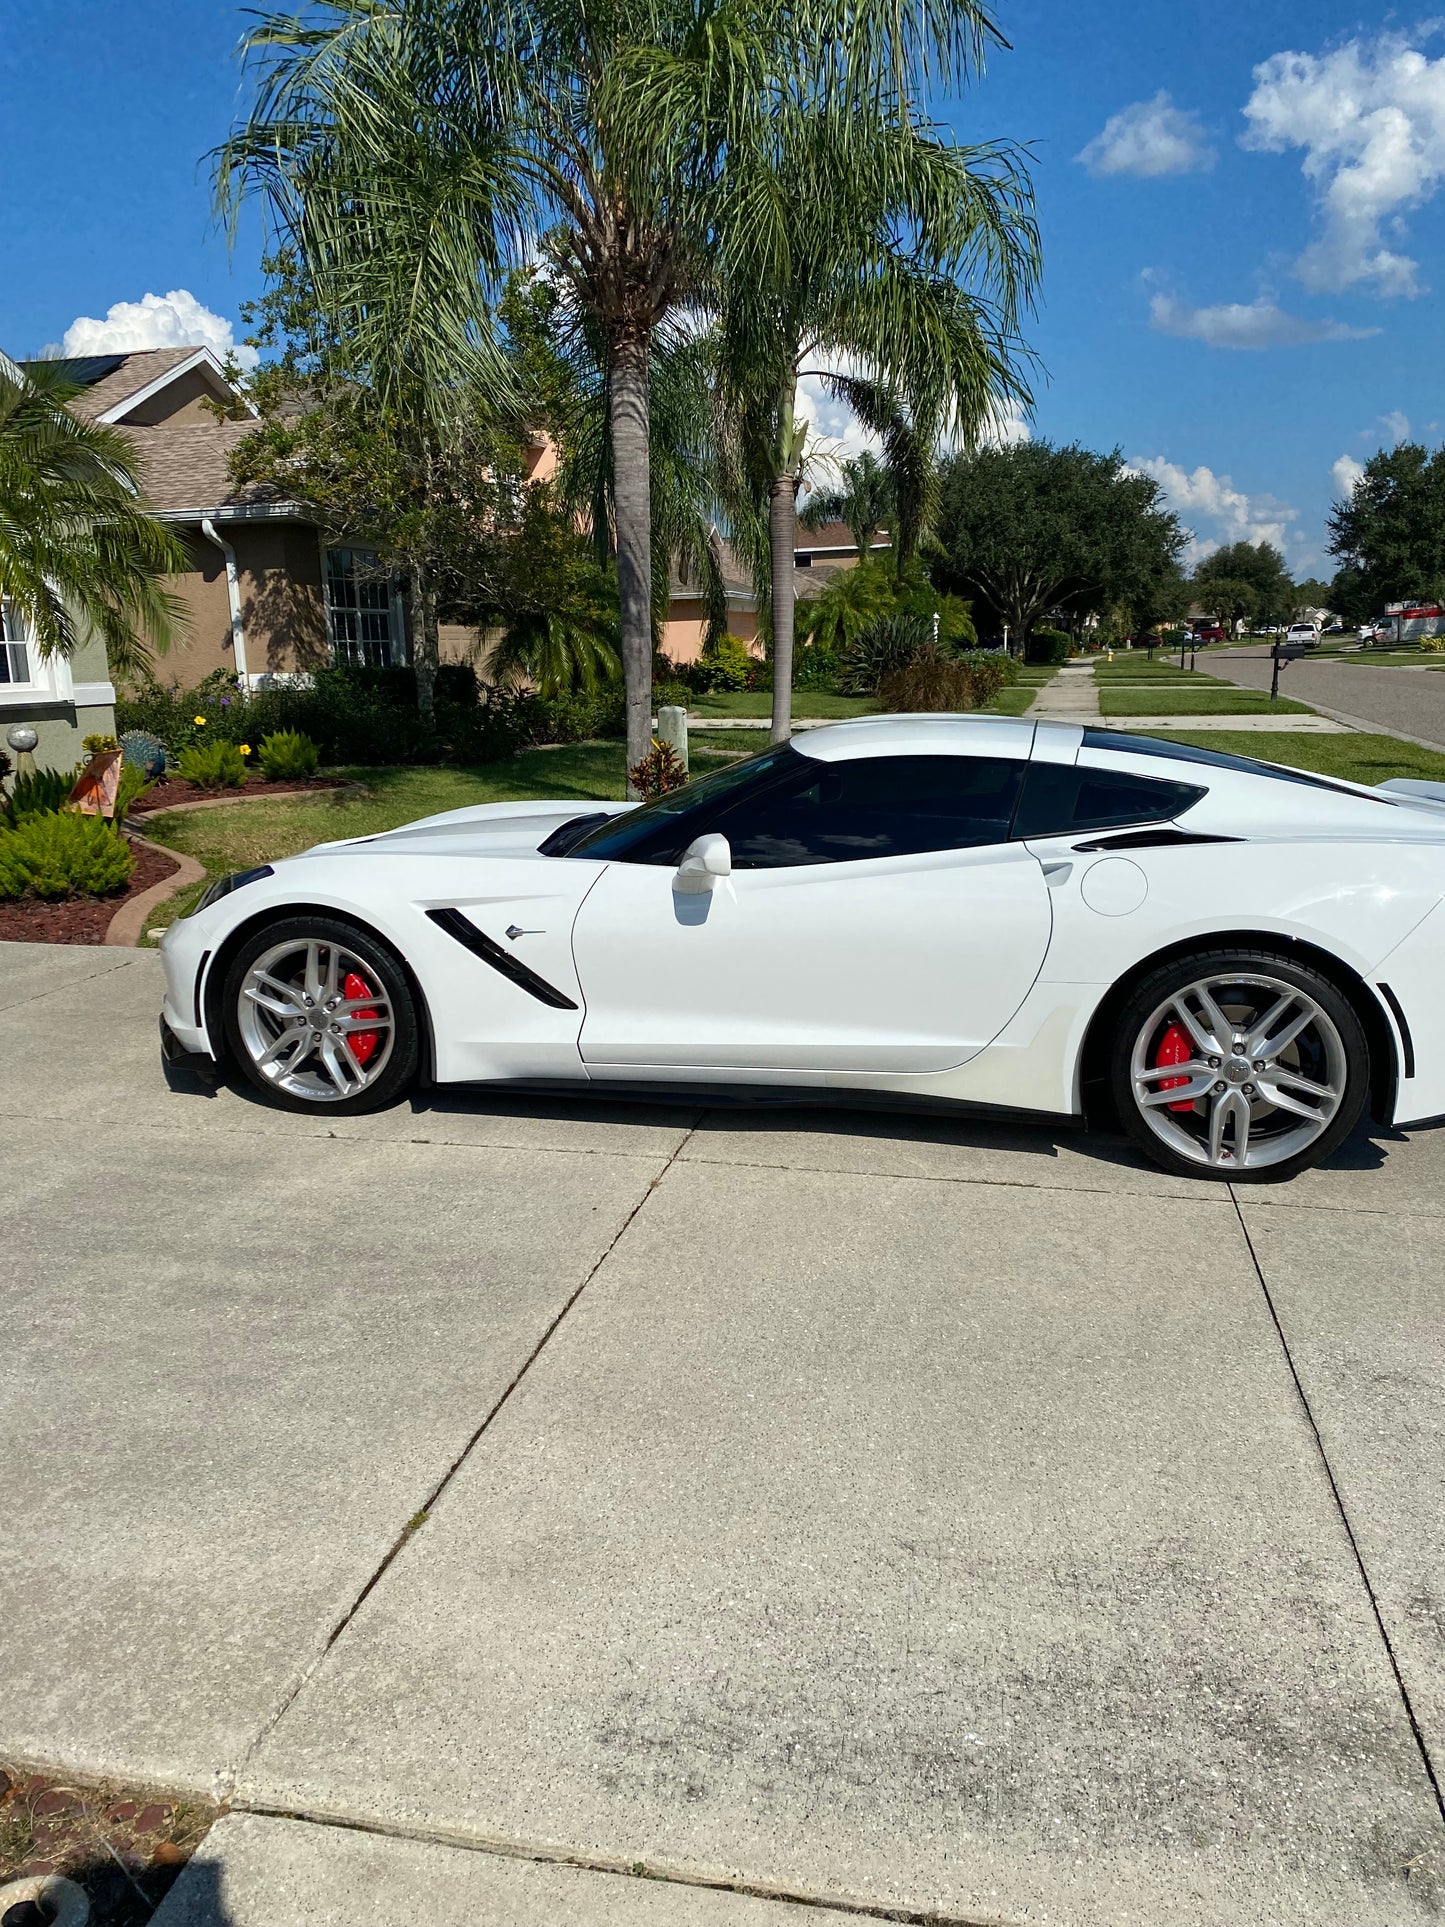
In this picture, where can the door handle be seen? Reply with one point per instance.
(1056, 875)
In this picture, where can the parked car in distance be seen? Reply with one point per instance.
(1303, 635)
(1212, 633)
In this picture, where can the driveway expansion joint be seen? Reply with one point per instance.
(1354, 1544)
(656, 1874)
(227, 1780)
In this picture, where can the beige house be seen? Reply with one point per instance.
(819, 556)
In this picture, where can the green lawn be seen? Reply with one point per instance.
(1356, 759)
(1171, 699)
(1013, 701)
(812, 703)
(1122, 670)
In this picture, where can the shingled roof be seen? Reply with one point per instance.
(185, 467)
(132, 373)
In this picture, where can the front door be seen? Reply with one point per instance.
(877, 921)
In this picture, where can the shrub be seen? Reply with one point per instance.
(40, 793)
(288, 757)
(134, 784)
(929, 685)
(725, 665)
(671, 695)
(889, 644)
(1433, 644)
(815, 667)
(213, 766)
(1050, 646)
(63, 855)
(992, 671)
(659, 771)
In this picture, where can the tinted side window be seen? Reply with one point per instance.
(1059, 799)
(872, 807)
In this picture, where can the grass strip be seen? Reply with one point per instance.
(1170, 700)
(1354, 759)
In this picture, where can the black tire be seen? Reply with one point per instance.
(382, 971)
(1349, 1047)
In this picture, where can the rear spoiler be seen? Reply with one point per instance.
(1411, 789)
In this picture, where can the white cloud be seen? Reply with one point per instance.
(1396, 425)
(1149, 139)
(1007, 426)
(1201, 495)
(1348, 474)
(174, 320)
(1370, 119)
(1235, 324)
(833, 422)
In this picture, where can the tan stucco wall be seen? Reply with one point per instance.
(282, 609)
(685, 629)
(205, 640)
(181, 400)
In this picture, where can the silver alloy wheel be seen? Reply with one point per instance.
(297, 1023)
(1264, 1079)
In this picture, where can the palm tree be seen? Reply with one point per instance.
(414, 150)
(78, 551)
(906, 265)
(862, 496)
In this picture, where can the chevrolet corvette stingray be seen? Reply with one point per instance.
(1234, 961)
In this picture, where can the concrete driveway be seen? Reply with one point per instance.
(496, 1500)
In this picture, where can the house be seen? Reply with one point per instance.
(820, 554)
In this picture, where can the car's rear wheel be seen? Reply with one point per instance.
(1239, 1064)
(320, 1017)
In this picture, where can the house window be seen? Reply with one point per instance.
(363, 614)
(15, 647)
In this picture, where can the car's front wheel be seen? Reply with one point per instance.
(1239, 1064)
(320, 1017)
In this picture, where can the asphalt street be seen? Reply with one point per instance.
(495, 1501)
(1405, 702)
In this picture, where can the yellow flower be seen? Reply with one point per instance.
(245, 749)
(199, 721)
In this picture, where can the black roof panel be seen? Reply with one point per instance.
(83, 370)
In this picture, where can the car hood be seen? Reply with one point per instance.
(486, 829)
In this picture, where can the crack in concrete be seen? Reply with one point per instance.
(91, 977)
(226, 1780)
(658, 1873)
(1359, 1557)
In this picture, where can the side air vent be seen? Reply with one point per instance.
(1153, 840)
(502, 961)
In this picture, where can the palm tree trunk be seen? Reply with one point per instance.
(424, 642)
(632, 497)
(783, 542)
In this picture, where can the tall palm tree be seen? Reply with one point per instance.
(456, 138)
(862, 496)
(905, 267)
(78, 551)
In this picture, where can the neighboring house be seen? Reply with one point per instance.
(819, 556)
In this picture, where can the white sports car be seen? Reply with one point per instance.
(1230, 959)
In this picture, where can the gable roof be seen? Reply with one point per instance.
(112, 385)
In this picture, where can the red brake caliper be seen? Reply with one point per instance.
(362, 1043)
(1175, 1048)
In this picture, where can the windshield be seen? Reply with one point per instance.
(620, 836)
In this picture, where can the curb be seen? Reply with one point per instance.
(125, 927)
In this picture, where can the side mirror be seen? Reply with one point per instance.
(702, 863)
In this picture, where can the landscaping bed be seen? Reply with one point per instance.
(124, 1848)
(80, 919)
(174, 792)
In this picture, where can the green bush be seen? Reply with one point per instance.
(41, 793)
(1050, 646)
(63, 855)
(889, 644)
(725, 665)
(815, 667)
(288, 757)
(212, 766)
(992, 670)
(670, 695)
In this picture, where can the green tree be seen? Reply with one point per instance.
(1259, 564)
(78, 550)
(1032, 528)
(862, 496)
(417, 151)
(905, 259)
(1309, 594)
(1228, 600)
(1389, 535)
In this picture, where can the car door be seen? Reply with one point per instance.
(877, 920)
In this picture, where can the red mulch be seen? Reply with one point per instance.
(175, 791)
(80, 919)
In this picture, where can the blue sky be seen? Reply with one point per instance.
(1242, 278)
